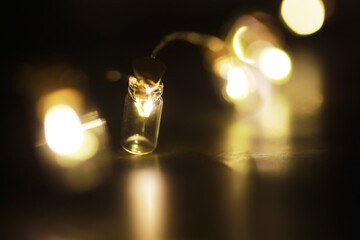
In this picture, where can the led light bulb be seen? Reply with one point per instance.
(143, 106)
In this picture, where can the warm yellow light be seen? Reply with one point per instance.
(113, 75)
(65, 96)
(276, 64)
(237, 144)
(146, 191)
(93, 124)
(304, 17)
(306, 77)
(238, 47)
(237, 86)
(275, 117)
(63, 130)
(215, 44)
(144, 107)
(88, 148)
(222, 66)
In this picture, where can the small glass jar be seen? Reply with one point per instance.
(142, 115)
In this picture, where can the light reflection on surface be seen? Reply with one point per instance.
(237, 143)
(146, 191)
(276, 64)
(260, 141)
(303, 17)
(274, 117)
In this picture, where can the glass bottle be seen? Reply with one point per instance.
(142, 112)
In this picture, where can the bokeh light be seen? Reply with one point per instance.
(64, 96)
(113, 75)
(222, 65)
(87, 149)
(237, 86)
(63, 130)
(238, 46)
(275, 64)
(251, 28)
(75, 164)
(303, 17)
(306, 77)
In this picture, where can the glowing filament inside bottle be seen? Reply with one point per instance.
(144, 107)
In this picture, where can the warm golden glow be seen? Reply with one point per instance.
(238, 46)
(255, 49)
(237, 85)
(146, 199)
(66, 96)
(237, 144)
(113, 75)
(222, 66)
(144, 107)
(88, 148)
(303, 17)
(306, 78)
(275, 117)
(63, 130)
(93, 124)
(215, 44)
(276, 64)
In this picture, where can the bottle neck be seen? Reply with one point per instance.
(140, 90)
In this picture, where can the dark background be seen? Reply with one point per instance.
(95, 36)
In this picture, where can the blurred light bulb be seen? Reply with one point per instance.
(276, 64)
(113, 75)
(238, 47)
(222, 65)
(303, 17)
(237, 86)
(63, 130)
